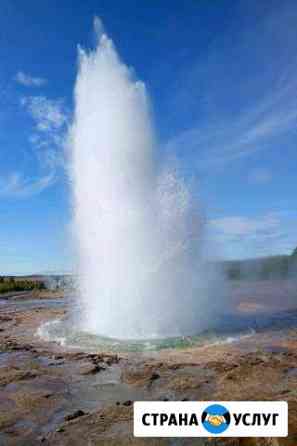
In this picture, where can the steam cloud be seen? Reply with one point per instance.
(140, 240)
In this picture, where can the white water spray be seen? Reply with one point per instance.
(139, 238)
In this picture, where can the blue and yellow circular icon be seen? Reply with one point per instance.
(215, 418)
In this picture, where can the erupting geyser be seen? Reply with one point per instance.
(139, 238)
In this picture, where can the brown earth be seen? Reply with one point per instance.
(53, 396)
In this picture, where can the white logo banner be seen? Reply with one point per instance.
(211, 419)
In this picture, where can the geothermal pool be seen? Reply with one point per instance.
(257, 308)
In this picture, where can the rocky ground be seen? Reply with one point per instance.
(52, 396)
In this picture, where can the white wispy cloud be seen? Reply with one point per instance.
(29, 81)
(50, 118)
(16, 185)
(49, 123)
(255, 129)
(238, 226)
(49, 115)
(241, 236)
(239, 102)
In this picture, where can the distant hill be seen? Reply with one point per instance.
(10, 284)
(35, 281)
(272, 267)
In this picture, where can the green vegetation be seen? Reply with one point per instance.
(273, 267)
(8, 284)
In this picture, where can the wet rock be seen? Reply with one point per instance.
(127, 403)
(284, 392)
(91, 369)
(78, 413)
(95, 358)
(5, 318)
(10, 374)
(155, 376)
(56, 363)
(230, 376)
(139, 375)
(110, 360)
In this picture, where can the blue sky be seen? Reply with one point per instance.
(222, 80)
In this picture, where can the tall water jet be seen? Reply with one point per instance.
(138, 232)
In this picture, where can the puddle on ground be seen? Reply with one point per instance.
(275, 349)
(292, 372)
